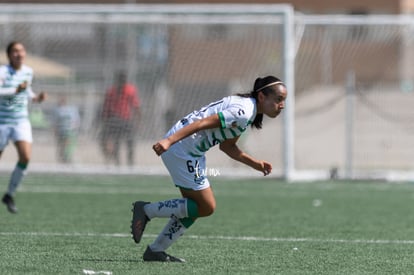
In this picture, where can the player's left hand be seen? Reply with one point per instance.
(41, 97)
(266, 168)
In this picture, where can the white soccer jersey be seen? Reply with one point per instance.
(236, 113)
(14, 107)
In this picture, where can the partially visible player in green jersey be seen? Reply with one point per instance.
(182, 151)
(15, 95)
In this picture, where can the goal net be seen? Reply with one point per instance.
(350, 82)
(354, 91)
(179, 57)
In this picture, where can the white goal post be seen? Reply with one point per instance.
(58, 34)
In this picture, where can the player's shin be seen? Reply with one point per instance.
(180, 208)
(17, 176)
(174, 229)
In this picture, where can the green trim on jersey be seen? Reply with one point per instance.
(241, 129)
(233, 133)
(222, 120)
(12, 116)
(204, 147)
(223, 133)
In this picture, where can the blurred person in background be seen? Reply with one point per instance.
(120, 117)
(15, 96)
(67, 123)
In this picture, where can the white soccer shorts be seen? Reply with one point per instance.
(22, 131)
(186, 171)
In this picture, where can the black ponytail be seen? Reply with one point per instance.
(261, 84)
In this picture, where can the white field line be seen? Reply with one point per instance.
(91, 190)
(228, 238)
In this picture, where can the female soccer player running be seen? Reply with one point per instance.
(15, 92)
(183, 149)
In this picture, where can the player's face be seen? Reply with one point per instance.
(274, 102)
(17, 55)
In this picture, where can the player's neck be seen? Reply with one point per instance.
(16, 67)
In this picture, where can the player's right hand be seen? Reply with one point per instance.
(161, 146)
(21, 87)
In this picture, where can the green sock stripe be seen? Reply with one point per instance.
(22, 165)
(187, 222)
(192, 208)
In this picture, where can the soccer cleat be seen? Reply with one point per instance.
(9, 202)
(151, 256)
(139, 220)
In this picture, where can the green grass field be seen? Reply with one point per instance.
(67, 224)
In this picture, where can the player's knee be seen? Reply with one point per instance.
(207, 209)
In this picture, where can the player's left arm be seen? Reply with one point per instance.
(230, 147)
(209, 122)
(39, 97)
(12, 90)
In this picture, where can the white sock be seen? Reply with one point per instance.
(15, 179)
(171, 232)
(165, 209)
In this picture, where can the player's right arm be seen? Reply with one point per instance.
(12, 90)
(209, 122)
